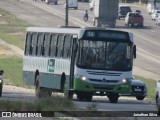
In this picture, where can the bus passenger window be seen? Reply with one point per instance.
(52, 48)
(40, 42)
(28, 42)
(59, 45)
(66, 47)
(34, 43)
(45, 50)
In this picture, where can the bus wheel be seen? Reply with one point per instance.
(80, 96)
(88, 97)
(113, 97)
(1, 89)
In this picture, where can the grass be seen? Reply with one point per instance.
(12, 29)
(43, 104)
(12, 67)
(151, 84)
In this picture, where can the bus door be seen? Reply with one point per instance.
(73, 56)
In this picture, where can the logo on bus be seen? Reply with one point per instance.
(51, 65)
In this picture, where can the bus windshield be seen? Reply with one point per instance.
(104, 55)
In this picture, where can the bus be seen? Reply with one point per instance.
(82, 61)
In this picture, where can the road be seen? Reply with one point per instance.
(102, 103)
(147, 41)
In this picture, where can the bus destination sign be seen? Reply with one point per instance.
(106, 34)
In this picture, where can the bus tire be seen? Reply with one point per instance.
(88, 97)
(113, 97)
(80, 96)
(1, 89)
(84, 96)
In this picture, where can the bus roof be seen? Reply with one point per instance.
(70, 30)
(55, 30)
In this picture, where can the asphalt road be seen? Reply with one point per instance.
(147, 40)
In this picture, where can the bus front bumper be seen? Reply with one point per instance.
(83, 86)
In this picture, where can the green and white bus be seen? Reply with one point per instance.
(81, 61)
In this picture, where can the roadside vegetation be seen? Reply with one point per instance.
(12, 67)
(44, 104)
(12, 29)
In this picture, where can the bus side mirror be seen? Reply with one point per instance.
(134, 51)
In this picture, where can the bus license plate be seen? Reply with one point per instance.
(137, 90)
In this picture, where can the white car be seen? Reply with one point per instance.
(158, 97)
(157, 20)
(51, 1)
(155, 14)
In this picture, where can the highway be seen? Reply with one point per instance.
(147, 41)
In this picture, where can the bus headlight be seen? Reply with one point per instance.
(81, 77)
(124, 81)
(84, 78)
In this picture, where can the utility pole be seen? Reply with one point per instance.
(66, 15)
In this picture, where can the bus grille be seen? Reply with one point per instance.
(104, 81)
(104, 73)
(104, 87)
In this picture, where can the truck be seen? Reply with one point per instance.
(134, 18)
(105, 13)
